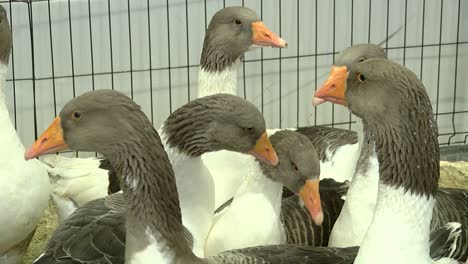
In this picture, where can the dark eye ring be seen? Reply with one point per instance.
(249, 129)
(361, 77)
(237, 21)
(76, 115)
(361, 59)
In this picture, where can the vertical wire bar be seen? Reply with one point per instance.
(387, 26)
(110, 44)
(52, 59)
(454, 105)
(33, 64)
(297, 64)
(224, 3)
(333, 55)
(13, 67)
(370, 19)
(404, 33)
(438, 61)
(72, 55)
(150, 61)
(71, 49)
(261, 63)
(206, 16)
(130, 47)
(91, 43)
(188, 49)
(91, 50)
(422, 39)
(169, 55)
(352, 42)
(315, 58)
(280, 70)
(243, 71)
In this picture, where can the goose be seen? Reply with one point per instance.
(207, 124)
(257, 215)
(25, 184)
(149, 203)
(351, 226)
(232, 32)
(154, 231)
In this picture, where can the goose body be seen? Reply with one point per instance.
(257, 215)
(25, 185)
(154, 216)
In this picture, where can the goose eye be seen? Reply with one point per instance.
(237, 21)
(249, 129)
(361, 77)
(361, 59)
(76, 115)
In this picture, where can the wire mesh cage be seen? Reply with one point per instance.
(150, 50)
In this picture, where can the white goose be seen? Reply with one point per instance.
(25, 184)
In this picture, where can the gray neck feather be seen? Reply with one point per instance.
(149, 188)
(217, 59)
(408, 150)
(367, 151)
(187, 129)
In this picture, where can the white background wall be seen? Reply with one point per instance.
(288, 83)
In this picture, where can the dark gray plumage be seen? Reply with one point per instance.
(444, 241)
(215, 122)
(5, 37)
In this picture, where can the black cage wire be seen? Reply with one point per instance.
(150, 50)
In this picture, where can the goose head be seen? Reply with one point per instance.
(333, 88)
(75, 127)
(298, 169)
(233, 31)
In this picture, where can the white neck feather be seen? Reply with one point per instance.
(195, 187)
(257, 182)
(147, 248)
(12, 148)
(253, 218)
(210, 83)
(352, 224)
(399, 231)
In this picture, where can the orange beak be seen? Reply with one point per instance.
(264, 151)
(49, 142)
(309, 193)
(333, 90)
(262, 36)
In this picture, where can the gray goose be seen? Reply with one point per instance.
(451, 204)
(209, 124)
(232, 32)
(405, 193)
(110, 123)
(258, 216)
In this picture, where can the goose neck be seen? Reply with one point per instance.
(218, 81)
(9, 140)
(408, 156)
(154, 224)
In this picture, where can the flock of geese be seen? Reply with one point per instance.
(213, 185)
